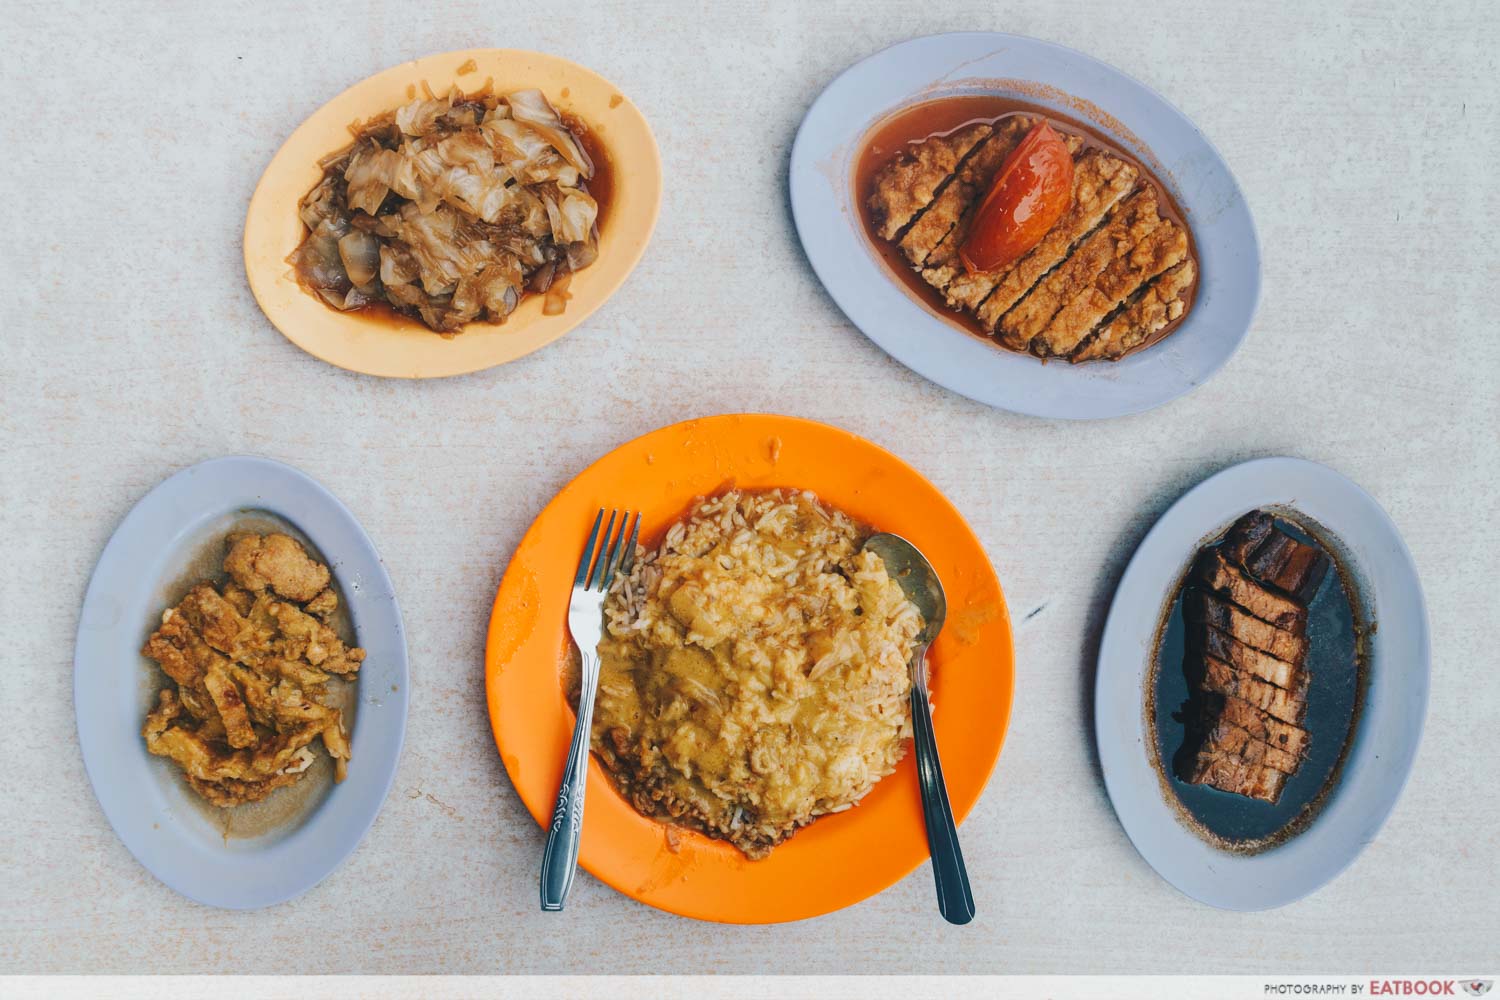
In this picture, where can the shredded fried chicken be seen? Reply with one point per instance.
(248, 674)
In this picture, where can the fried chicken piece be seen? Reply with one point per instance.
(230, 705)
(251, 670)
(906, 186)
(945, 267)
(1162, 303)
(180, 651)
(304, 637)
(221, 626)
(963, 192)
(324, 605)
(277, 562)
(1100, 181)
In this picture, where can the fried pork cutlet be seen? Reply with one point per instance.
(906, 186)
(962, 194)
(1146, 248)
(248, 675)
(1106, 280)
(1099, 182)
(1161, 303)
(944, 265)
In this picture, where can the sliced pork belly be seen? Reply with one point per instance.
(1204, 608)
(1223, 646)
(1282, 735)
(1226, 738)
(1280, 703)
(1215, 572)
(1229, 773)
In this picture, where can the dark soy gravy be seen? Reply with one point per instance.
(1335, 667)
(919, 122)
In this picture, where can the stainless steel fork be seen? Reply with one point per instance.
(586, 625)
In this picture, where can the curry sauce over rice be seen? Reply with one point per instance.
(754, 670)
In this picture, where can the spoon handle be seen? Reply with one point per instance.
(955, 900)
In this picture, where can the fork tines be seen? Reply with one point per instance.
(616, 551)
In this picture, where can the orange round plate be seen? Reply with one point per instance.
(838, 859)
(377, 345)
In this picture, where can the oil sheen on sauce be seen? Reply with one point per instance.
(919, 122)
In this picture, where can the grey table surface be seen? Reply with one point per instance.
(1365, 137)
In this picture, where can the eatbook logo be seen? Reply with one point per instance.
(1478, 987)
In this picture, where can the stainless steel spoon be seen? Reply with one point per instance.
(916, 577)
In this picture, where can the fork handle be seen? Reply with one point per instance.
(560, 857)
(955, 900)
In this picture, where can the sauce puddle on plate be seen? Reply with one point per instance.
(1335, 690)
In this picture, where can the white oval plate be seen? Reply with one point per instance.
(1388, 728)
(153, 553)
(1136, 117)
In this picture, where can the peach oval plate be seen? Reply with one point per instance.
(375, 344)
(840, 859)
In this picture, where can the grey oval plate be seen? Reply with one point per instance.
(828, 224)
(1387, 732)
(159, 547)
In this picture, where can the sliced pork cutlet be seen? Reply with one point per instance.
(1218, 574)
(1226, 738)
(1148, 250)
(1246, 658)
(963, 192)
(1219, 677)
(1163, 302)
(1229, 773)
(1281, 735)
(907, 185)
(1132, 221)
(945, 269)
(1208, 610)
(1099, 182)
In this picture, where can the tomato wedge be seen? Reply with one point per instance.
(1032, 190)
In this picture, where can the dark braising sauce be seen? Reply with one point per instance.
(919, 122)
(1335, 671)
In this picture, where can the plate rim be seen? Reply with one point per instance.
(621, 883)
(800, 174)
(373, 568)
(1293, 870)
(266, 280)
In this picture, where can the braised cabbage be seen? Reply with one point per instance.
(450, 209)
